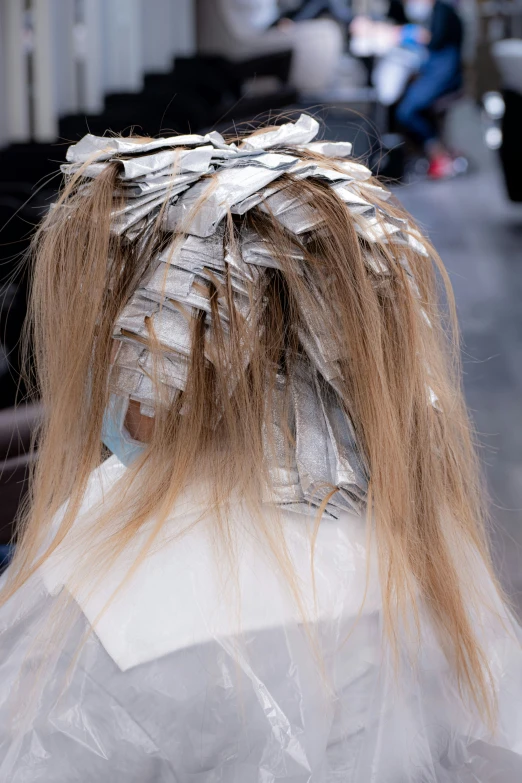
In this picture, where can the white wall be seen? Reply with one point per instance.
(15, 82)
(158, 35)
(82, 50)
(45, 87)
(64, 59)
(122, 42)
(3, 80)
(184, 25)
(89, 51)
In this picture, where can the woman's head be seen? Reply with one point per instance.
(277, 320)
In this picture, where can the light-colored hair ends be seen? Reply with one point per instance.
(425, 502)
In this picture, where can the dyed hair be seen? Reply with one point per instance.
(394, 339)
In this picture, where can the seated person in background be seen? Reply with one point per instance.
(311, 9)
(240, 29)
(424, 42)
(437, 26)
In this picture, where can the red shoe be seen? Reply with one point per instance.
(441, 167)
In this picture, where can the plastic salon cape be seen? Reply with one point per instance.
(168, 689)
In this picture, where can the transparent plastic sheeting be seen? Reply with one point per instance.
(168, 689)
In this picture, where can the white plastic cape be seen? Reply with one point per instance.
(179, 683)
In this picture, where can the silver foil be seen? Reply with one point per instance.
(290, 134)
(198, 180)
(106, 147)
(201, 210)
(330, 149)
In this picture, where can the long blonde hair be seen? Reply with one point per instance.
(395, 341)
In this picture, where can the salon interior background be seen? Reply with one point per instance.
(72, 66)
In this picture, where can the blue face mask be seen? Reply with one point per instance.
(115, 435)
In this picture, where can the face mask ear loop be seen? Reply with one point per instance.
(114, 433)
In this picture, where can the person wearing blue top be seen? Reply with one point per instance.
(437, 27)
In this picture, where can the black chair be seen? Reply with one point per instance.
(443, 106)
(17, 426)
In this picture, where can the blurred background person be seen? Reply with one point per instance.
(238, 29)
(340, 10)
(423, 64)
(438, 26)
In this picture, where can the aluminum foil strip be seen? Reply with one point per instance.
(298, 220)
(326, 344)
(256, 198)
(142, 190)
(290, 134)
(258, 256)
(271, 160)
(128, 355)
(279, 429)
(355, 170)
(124, 381)
(235, 260)
(350, 196)
(330, 174)
(347, 468)
(303, 169)
(171, 327)
(134, 232)
(201, 210)
(168, 280)
(90, 172)
(416, 242)
(194, 298)
(124, 220)
(399, 223)
(300, 170)
(140, 187)
(381, 193)
(133, 205)
(279, 202)
(154, 167)
(106, 147)
(137, 308)
(169, 370)
(285, 493)
(238, 282)
(376, 265)
(256, 252)
(311, 432)
(374, 229)
(170, 284)
(330, 149)
(179, 161)
(345, 501)
(194, 252)
(146, 393)
(329, 370)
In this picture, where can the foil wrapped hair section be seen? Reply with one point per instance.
(192, 184)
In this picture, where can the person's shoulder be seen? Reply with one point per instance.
(189, 590)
